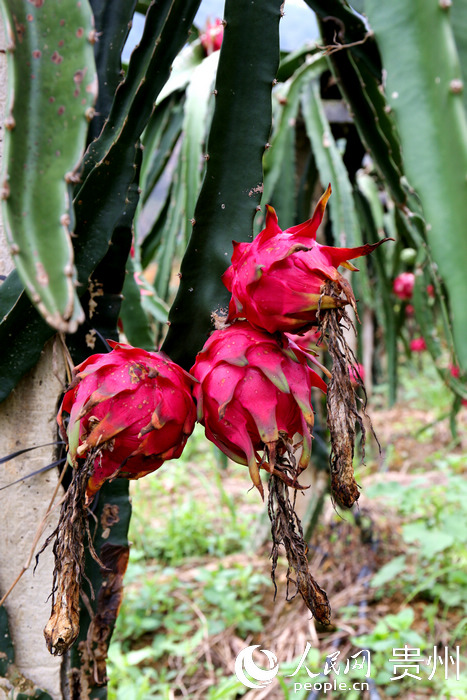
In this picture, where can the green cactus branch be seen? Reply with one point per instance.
(352, 31)
(51, 92)
(112, 20)
(428, 107)
(109, 163)
(286, 112)
(168, 23)
(102, 199)
(356, 72)
(233, 183)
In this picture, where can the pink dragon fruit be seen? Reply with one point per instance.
(254, 394)
(276, 281)
(403, 285)
(136, 406)
(418, 344)
(211, 38)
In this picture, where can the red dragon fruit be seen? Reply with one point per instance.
(254, 394)
(418, 344)
(132, 407)
(276, 281)
(403, 285)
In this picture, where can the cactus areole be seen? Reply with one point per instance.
(131, 408)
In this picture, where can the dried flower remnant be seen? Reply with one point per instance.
(62, 629)
(341, 399)
(287, 531)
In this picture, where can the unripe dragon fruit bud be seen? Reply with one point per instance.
(277, 280)
(254, 395)
(134, 408)
(403, 285)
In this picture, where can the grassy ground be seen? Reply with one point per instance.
(198, 587)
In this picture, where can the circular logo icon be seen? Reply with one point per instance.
(244, 664)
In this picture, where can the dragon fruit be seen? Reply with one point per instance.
(277, 281)
(130, 408)
(418, 344)
(403, 285)
(254, 395)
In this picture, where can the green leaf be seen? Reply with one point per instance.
(431, 540)
(110, 160)
(402, 621)
(389, 571)
(283, 197)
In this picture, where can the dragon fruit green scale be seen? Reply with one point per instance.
(131, 408)
(253, 395)
(276, 281)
